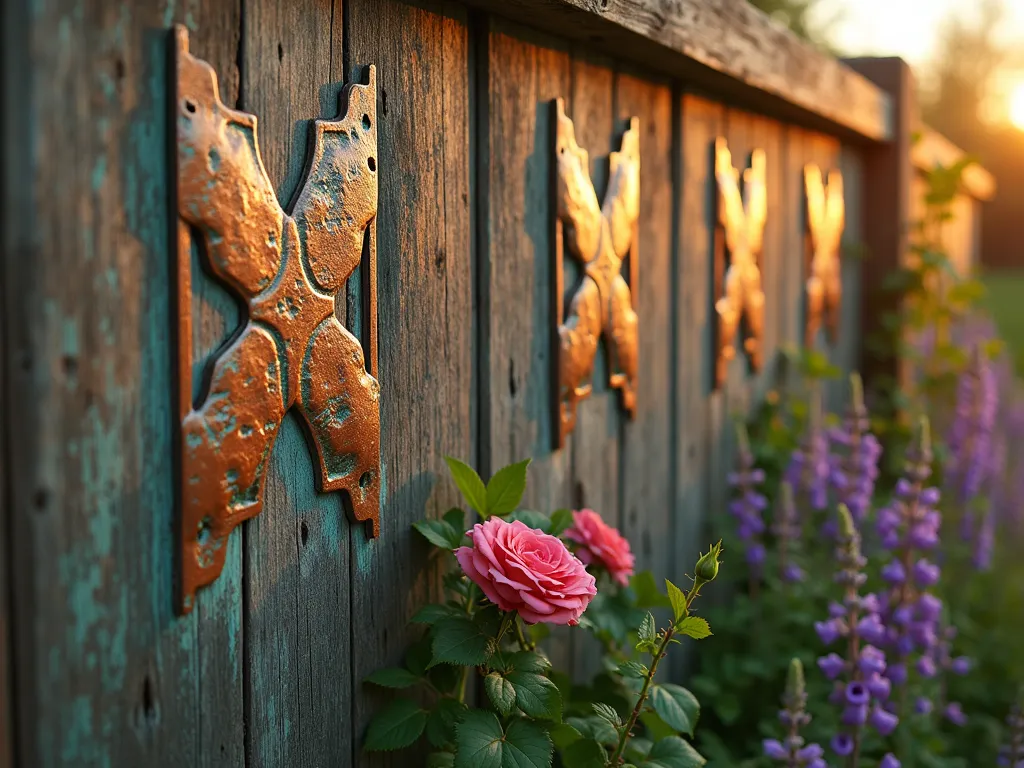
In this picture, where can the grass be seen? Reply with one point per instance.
(1004, 298)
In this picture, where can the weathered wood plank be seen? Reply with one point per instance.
(106, 674)
(425, 292)
(646, 484)
(595, 440)
(698, 123)
(724, 47)
(525, 73)
(848, 349)
(298, 686)
(16, 227)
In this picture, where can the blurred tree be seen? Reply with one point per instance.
(969, 57)
(804, 18)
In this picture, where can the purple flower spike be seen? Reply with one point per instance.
(854, 456)
(791, 751)
(773, 748)
(808, 470)
(832, 665)
(829, 631)
(925, 573)
(894, 573)
(955, 714)
(961, 665)
(842, 744)
(970, 436)
(922, 706)
(889, 761)
(855, 714)
(880, 687)
(883, 722)
(748, 503)
(857, 693)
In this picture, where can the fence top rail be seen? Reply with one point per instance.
(725, 48)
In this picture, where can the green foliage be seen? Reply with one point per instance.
(526, 708)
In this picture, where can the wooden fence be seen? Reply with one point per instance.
(97, 669)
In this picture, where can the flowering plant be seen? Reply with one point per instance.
(510, 574)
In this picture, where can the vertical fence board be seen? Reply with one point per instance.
(106, 674)
(848, 352)
(297, 555)
(699, 122)
(425, 295)
(646, 450)
(595, 439)
(525, 74)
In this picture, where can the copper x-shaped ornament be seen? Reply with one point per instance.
(825, 220)
(599, 237)
(292, 350)
(740, 234)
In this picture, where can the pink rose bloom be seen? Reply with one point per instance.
(525, 570)
(602, 545)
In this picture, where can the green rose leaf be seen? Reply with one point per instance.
(646, 590)
(632, 669)
(440, 760)
(469, 483)
(673, 752)
(648, 634)
(585, 753)
(607, 713)
(456, 518)
(695, 627)
(393, 678)
(501, 693)
(677, 598)
(561, 520)
(434, 612)
(536, 695)
(397, 726)
(442, 722)
(482, 743)
(676, 706)
(596, 728)
(505, 490)
(564, 734)
(459, 641)
(529, 661)
(439, 533)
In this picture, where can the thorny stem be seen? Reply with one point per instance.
(657, 657)
(526, 645)
(464, 675)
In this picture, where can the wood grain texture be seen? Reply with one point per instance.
(13, 93)
(524, 73)
(425, 316)
(852, 250)
(106, 674)
(724, 47)
(699, 122)
(595, 445)
(646, 458)
(298, 665)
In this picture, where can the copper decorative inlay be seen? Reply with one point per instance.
(740, 236)
(600, 238)
(292, 350)
(825, 220)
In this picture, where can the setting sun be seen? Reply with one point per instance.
(1017, 106)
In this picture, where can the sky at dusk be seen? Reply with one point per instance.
(906, 28)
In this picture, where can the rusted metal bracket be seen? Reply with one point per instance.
(739, 235)
(826, 214)
(292, 350)
(600, 238)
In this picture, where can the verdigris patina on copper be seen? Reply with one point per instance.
(292, 350)
(739, 237)
(826, 213)
(600, 238)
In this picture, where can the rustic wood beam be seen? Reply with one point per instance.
(724, 47)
